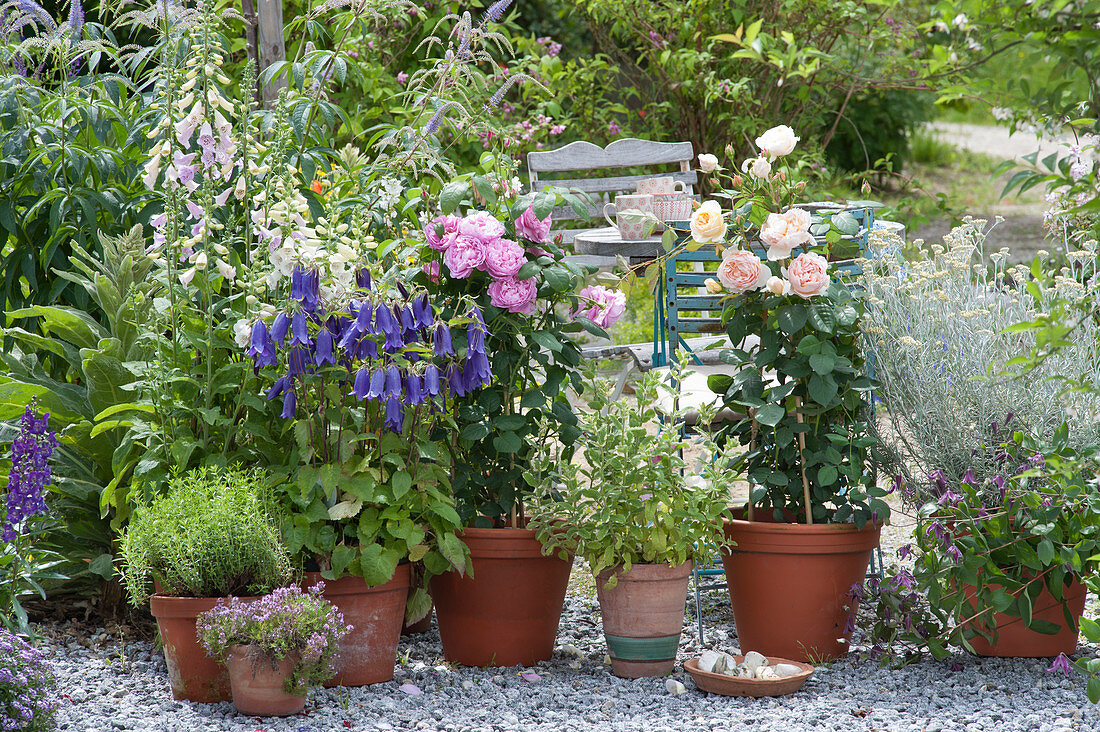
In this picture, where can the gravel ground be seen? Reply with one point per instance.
(114, 684)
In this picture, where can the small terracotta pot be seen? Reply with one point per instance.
(789, 585)
(643, 616)
(506, 612)
(368, 653)
(194, 676)
(258, 687)
(1015, 640)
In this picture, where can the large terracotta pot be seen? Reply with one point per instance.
(194, 675)
(789, 585)
(1015, 640)
(258, 687)
(369, 651)
(642, 617)
(506, 612)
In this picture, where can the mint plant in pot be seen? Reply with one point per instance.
(638, 511)
(814, 511)
(275, 647)
(211, 536)
(498, 254)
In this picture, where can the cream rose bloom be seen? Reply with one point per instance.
(777, 142)
(783, 232)
(741, 271)
(778, 286)
(708, 163)
(758, 168)
(707, 224)
(713, 286)
(809, 275)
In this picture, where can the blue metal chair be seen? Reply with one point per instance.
(681, 309)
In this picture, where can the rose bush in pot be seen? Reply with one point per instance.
(638, 510)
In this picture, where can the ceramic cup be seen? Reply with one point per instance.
(629, 221)
(663, 185)
(672, 206)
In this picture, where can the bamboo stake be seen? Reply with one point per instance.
(749, 508)
(802, 461)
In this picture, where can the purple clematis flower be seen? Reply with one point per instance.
(393, 382)
(413, 390)
(1061, 663)
(431, 380)
(281, 384)
(422, 312)
(361, 388)
(322, 353)
(290, 402)
(362, 278)
(389, 327)
(395, 415)
(442, 345)
(299, 330)
(377, 384)
(280, 327)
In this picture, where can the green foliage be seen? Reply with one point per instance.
(630, 496)
(212, 535)
(288, 622)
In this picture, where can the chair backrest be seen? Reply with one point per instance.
(580, 156)
(689, 308)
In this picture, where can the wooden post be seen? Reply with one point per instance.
(271, 47)
(802, 461)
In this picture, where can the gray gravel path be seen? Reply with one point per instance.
(998, 142)
(112, 686)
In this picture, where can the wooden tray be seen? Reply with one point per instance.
(734, 686)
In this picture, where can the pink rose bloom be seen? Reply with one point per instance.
(741, 271)
(503, 258)
(530, 227)
(482, 226)
(450, 229)
(809, 275)
(783, 232)
(432, 270)
(466, 254)
(606, 305)
(515, 296)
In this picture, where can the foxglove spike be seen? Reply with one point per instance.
(280, 327)
(361, 390)
(377, 384)
(323, 351)
(290, 403)
(422, 312)
(431, 380)
(395, 415)
(299, 330)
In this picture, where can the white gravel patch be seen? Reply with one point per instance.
(117, 685)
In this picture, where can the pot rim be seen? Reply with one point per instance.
(799, 528)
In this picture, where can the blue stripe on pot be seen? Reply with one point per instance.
(661, 648)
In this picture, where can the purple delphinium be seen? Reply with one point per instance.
(30, 471)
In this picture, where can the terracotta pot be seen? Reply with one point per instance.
(1014, 640)
(369, 651)
(789, 585)
(506, 612)
(258, 687)
(643, 616)
(420, 626)
(194, 675)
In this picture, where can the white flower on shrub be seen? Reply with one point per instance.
(777, 142)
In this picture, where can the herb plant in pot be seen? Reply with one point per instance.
(275, 647)
(814, 512)
(499, 255)
(364, 368)
(634, 508)
(208, 538)
(1003, 564)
